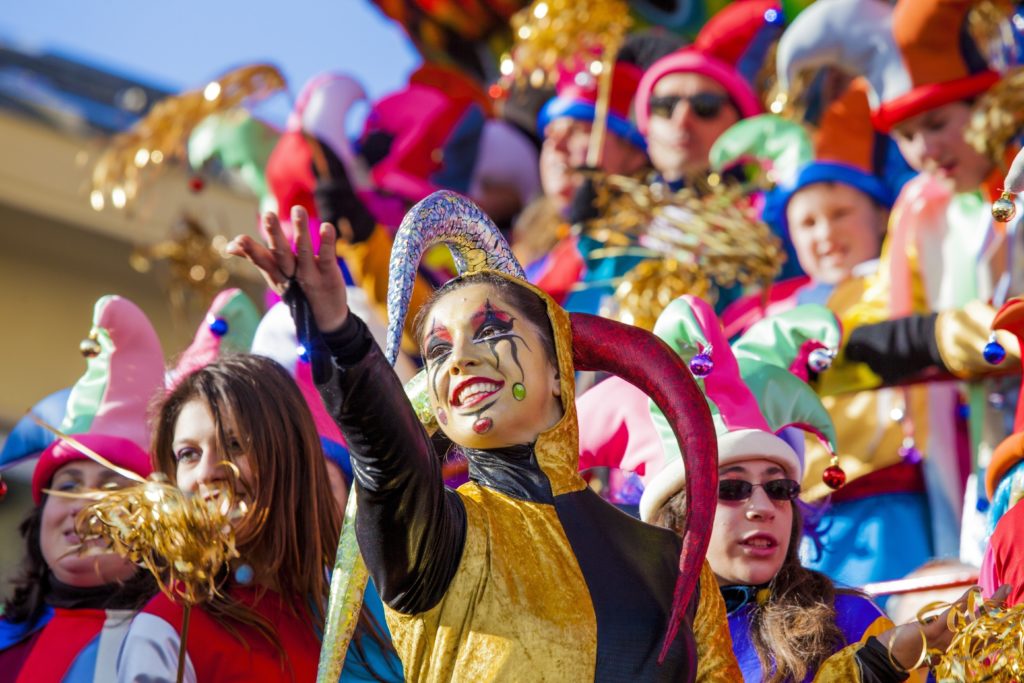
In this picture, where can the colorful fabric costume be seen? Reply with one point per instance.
(943, 251)
(213, 653)
(78, 633)
(857, 617)
(521, 574)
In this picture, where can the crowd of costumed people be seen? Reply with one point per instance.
(620, 344)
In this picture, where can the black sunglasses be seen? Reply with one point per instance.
(735, 490)
(705, 105)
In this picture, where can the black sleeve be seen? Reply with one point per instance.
(896, 349)
(875, 665)
(411, 529)
(336, 199)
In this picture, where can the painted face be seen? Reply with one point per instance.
(489, 378)
(201, 458)
(834, 228)
(58, 541)
(750, 537)
(688, 113)
(933, 142)
(565, 150)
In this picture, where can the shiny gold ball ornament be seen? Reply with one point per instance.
(90, 346)
(1004, 209)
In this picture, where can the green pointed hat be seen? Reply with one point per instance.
(755, 388)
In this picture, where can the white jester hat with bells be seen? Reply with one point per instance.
(757, 389)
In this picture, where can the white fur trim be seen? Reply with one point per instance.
(743, 444)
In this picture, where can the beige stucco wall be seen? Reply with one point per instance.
(58, 256)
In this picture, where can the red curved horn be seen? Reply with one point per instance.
(648, 363)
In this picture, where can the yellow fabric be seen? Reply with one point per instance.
(505, 619)
(716, 662)
(368, 261)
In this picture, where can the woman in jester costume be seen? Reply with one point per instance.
(523, 573)
(787, 623)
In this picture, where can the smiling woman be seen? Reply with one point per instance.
(490, 354)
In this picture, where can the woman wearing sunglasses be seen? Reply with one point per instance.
(787, 623)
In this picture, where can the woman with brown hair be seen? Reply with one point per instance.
(241, 423)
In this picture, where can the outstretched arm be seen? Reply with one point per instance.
(410, 528)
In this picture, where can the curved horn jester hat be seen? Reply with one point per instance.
(844, 149)
(756, 389)
(586, 342)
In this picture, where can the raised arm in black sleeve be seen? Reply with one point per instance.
(411, 529)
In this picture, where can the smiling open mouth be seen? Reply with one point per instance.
(473, 391)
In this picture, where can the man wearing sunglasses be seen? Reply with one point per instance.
(690, 97)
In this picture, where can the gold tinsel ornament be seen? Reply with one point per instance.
(696, 240)
(558, 37)
(988, 644)
(162, 135)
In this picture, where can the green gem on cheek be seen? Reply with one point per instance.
(518, 391)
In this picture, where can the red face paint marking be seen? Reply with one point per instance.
(487, 313)
(483, 425)
(441, 332)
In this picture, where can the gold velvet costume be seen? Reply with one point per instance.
(523, 574)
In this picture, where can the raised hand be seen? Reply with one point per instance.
(317, 274)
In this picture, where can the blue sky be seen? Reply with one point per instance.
(184, 43)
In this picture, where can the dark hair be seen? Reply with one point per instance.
(533, 308)
(32, 583)
(33, 580)
(296, 521)
(795, 630)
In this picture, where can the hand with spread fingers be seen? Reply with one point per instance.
(317, 274)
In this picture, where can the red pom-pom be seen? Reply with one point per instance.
(196, 183)
(3, 489)
(834, 477)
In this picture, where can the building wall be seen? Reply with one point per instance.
(58, 256)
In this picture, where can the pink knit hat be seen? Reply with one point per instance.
(730, 49)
